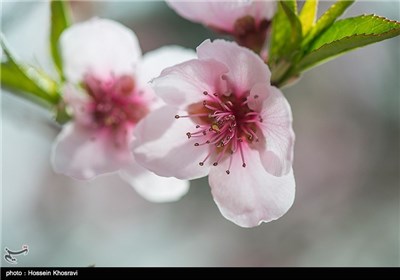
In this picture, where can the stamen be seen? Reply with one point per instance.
(252, 121)
(229, 167)
(252, 114)
(209, 107)
(219, 115)
(217, 138)
(197, 133)
(191, 115)
(250, 133)
(215, 97)
(245, 101)
(221, 154)
(241, 152)
(228, 124)
(201, 144)
(204, 160)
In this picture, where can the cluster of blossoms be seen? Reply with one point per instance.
(172, 116)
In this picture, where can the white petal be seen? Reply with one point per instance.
(277, 158)
(153, 187)
(222, 15)
(155, 61)
(98, 46)
(185, 83)
(262, 9)
(85, 153)
(245, 67)
(161, 145)
(249, 195)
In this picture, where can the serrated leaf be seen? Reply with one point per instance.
(308, 15)
(286, 33)
(365, 24)
(60, 20)
(348, 34)
(327, 19)
(22, 77)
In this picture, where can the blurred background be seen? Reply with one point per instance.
(346, 212)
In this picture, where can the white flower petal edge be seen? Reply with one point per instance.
(152, 187)
(154, 62)
(245, 67)
(277, 158)
(98, 46)
(83, 153)
(250, 196)
(185, 83)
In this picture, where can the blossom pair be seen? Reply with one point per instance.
(215, 114)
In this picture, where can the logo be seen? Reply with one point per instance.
(9, 255)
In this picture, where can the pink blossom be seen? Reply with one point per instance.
(247, 21)
(223, 119)
(107, 94)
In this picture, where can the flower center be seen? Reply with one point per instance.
(226, 123)
(115, 103)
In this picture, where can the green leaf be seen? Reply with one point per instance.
(308, 15)
(286, 33)
(60, 20)
(348, 34)
(291, 4)
(26, 78)
(327, 19)
(361, 25)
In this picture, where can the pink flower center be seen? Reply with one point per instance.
(115, 103)
(226, 123)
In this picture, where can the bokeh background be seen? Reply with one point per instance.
(346, 213)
